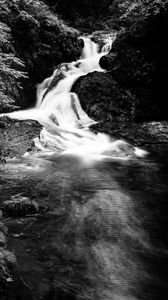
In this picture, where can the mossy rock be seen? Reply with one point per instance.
(21, 206)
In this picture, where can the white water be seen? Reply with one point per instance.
(66, 125)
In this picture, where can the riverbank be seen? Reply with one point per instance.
(17, 136)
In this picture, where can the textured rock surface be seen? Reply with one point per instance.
(141, 62)
(103, 99)
(107, 61)
(21, 206)
(7, 262)
(140, 134)
(16, 137)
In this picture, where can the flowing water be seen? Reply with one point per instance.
(102, 235)
(66, 124)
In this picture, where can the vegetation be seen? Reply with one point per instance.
(33, 41)
(91, 243)
(10, 70)
(110, 14)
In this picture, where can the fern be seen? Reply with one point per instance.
(10, 70)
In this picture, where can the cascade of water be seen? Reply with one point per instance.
(91, 49)
(66, 125)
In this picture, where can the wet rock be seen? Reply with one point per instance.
(146, 133)
(141, 63)
(3, 239)
(81, 43)
(103, 99)
(3, 228)
(7, 260)
(107, 61)
(7, 270)
(20, 206)
(57, 76)
(17, 137)
(2, 124)
(2, 159)
(102, 37)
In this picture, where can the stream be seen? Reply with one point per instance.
(102, 233)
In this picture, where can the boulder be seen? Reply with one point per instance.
(21, 206)
(103, 99)
(138, 134)
(16, 137)
(107, 61)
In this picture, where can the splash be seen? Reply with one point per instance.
(65, 123)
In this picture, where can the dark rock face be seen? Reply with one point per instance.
(103, 99)
(101, 37)
(138, 134)
(141, 62)
(107, 61)
(52, 81)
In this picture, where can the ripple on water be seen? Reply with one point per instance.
(102, 236)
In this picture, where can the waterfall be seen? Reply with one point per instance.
(58, 110)
(90, 48)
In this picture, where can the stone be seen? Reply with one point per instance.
(103, 99)
(3, 239)
(20, 206)
(107, 61)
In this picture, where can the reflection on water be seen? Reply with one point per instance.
(103, 236)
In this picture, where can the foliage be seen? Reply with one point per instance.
(31, 33)
(128, 12)
(110, 14)
(10, 70)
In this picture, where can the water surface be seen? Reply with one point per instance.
(103, 235)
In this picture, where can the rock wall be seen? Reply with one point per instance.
(137, 64)
(139, 61)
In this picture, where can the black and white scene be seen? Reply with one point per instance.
(83, 150)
